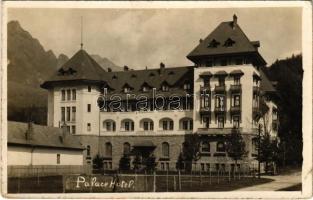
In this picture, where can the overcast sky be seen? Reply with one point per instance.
(140, 38)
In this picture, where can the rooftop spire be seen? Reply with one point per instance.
(81, 36)
(234, 21)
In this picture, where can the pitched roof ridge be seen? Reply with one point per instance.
(150, 70)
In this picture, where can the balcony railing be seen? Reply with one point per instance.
(206, 88)
(235, 109)
(220, 89)
(235, 88)
(220, 109)
(256, 89)
(205, 110)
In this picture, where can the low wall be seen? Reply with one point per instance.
(47, 170)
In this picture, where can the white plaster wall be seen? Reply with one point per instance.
(43, 156)
(88, 117)
(49, 157)
(19, 155)
(155, 116)
(83, 97)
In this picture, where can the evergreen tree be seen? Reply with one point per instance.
(180, 162)
(124, 163)
(235, 145)
(97, 162)
(137, 162)
(191, 150)
(150, 163)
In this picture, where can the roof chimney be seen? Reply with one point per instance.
(234, 21)
(200, 40)
(126, 68)
(30, 131)
(64, 133)
(109, 69)
(162, 66)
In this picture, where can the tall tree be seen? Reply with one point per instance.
(150, 163)
(124, 163)
(191, 150)
(235, 145)
(97, 162)
(137, 162)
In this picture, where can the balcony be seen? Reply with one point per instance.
(235, 88)
(255, 112)
(219, 89)
(205, 110)
(235, 109)
(215, 131)
(220, 110)
(206, 88)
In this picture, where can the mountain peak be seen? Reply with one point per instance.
(105, 63)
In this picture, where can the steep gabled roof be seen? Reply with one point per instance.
(266, 84)
(173, 76)
(42, 136)
(79, 67)
(225, 33)
(221, 34)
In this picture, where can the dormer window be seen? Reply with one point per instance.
(213, 44)
(229, 42)
(151, 74)
(171, 73)
(114, 77)
(145, 89)
(165, 88)
(187, 86)
(134, 76)
(126, 89)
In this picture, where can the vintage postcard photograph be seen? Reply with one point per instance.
(156, 100)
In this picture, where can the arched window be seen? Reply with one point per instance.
(166, 124)
(205, 147)
(127, 125)
(108, 149)
(147, 124)
(220, 147)
(109, 125)
(165, 150)
(126, 148)
(186, 124)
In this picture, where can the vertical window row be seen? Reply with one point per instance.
(69, 94)
(66, 114)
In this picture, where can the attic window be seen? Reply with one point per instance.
(145, 89)
(126, 89)
(70, 71)
(187, 86)
(229, 42)
(114, 77)
(214, 43)
(133, 75)
(164, 87)
(151, 74)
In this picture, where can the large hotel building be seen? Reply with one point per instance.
(154, 110)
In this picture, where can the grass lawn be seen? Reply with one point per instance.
(215, 185)
(54, 184)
